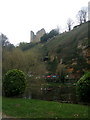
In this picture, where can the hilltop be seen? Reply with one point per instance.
(69, 49)
(65, 54)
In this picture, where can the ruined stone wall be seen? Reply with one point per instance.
(32, 36)
(39, 34)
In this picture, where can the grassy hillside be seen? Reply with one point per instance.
(68, 40)
(70, 47)
(67, 50)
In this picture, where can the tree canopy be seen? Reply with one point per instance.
(49, 35)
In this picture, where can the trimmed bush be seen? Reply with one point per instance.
(83, 88)
(14, 83)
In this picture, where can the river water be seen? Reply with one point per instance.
(66, 94)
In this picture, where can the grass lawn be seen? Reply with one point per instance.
(30, 108)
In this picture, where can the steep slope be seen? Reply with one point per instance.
(67, 43)
(69, 49)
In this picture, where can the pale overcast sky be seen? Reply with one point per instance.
(19, 17)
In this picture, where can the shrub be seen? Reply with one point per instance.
(83, 88)
(14, 82)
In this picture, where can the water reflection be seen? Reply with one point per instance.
(61, 94)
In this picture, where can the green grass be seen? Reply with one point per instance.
(25, 108)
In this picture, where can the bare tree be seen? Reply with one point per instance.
(82, 15)
(69, 23)
(84, 11)
(4, 40)
(79, 17)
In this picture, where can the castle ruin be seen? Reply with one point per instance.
(39, 34)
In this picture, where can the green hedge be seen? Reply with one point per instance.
(83, 88)
(14, 83)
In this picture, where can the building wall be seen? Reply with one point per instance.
(32, 36)
(39, 34)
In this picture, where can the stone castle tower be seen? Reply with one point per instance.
(39, 34)
(33, 37)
